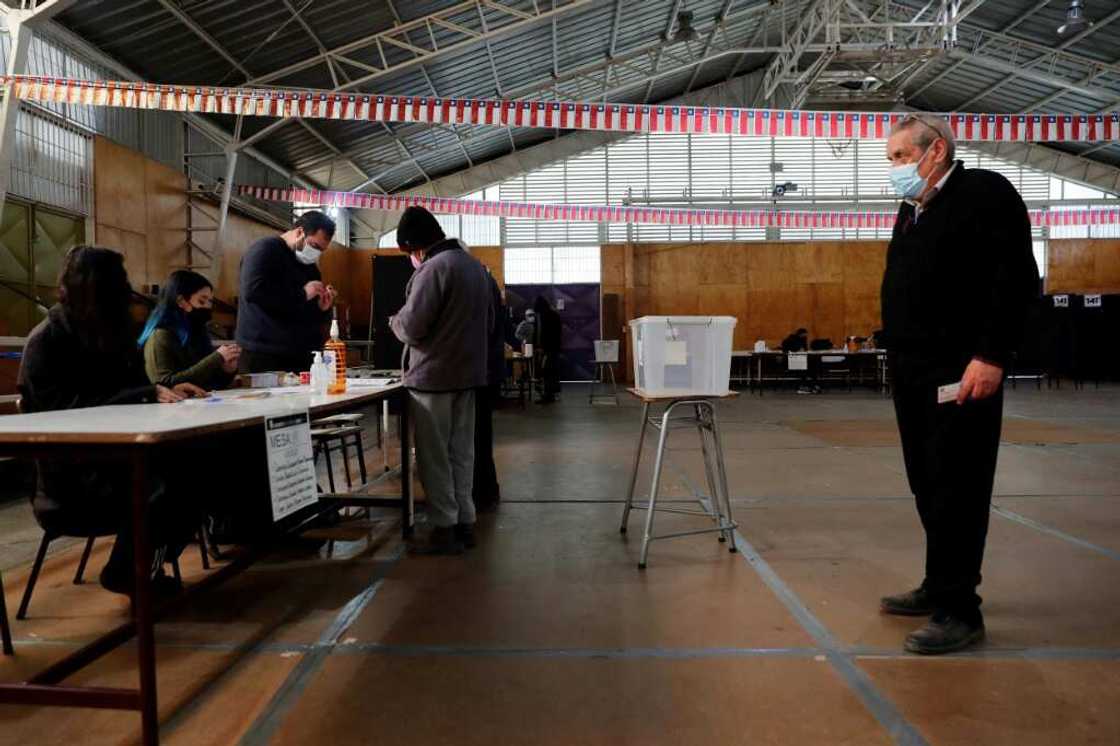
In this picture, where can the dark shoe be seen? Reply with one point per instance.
(944, 634)
(439, 541)
(487, 504)
(163, 585)
(911, 603)
(464, 532)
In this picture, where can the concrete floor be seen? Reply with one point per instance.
(548, 634)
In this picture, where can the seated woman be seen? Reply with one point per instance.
(84, 354)
(177, 346)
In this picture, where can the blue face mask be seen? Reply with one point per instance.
(907, 183)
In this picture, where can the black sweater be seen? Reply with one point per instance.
(59, 371)
(959, 279)
(273, 312)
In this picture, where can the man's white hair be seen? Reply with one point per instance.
(925, 128)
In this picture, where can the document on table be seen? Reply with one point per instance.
(371, 382)
(291, 465)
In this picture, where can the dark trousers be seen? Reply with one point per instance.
(253, 361)
(486, 488)
(550, 374)
(83, 499)
(950, 453)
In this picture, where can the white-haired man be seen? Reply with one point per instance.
(960, 276)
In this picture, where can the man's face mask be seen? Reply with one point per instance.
(414, 257)
(308, 254)
(906, 180)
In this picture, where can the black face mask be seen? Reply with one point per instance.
(200, 316)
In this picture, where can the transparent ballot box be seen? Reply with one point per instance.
(682, 355)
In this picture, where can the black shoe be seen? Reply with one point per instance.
(439, 541)
(163, 586)
(464, 532)
(911, 603)
(944, 634)
(488, 504)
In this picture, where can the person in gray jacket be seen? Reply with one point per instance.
(445, 325)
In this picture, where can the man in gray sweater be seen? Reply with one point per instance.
(444, 324)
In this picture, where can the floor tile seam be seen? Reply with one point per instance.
(1054, 532)
(451, 650)
(269, 721)
(878, 704)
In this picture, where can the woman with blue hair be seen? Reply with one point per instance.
(176, 342)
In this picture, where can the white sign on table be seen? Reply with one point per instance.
(291, 464)
(1093, 301)
(1061, 301)
(797, 361)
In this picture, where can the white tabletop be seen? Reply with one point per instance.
(152, 423)
(750, 353)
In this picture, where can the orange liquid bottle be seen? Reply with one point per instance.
(337, 384)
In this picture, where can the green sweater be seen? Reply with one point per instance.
(168, 363)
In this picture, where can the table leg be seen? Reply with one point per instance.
(634, 472)
(721, 473)
(709, 469)
(142, 601)
(5, 632)
(406, 468)
(655, 485)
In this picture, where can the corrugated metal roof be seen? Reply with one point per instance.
(264, 36)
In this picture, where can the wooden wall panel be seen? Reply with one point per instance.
(829, 287)
(613, 260)
(165, 219)
(118, 183)
(493, 257)
(1083, 266)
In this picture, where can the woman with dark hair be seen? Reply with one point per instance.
(84, 354)
(176, 342)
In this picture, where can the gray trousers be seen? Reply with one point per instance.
(445, 453)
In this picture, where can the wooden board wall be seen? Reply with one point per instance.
(829, 287)
(140, 209)
(350, 271)
(1075, 265)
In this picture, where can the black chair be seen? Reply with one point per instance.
(90, 533)
(5, 630)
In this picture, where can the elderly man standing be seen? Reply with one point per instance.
(445, 325)
(960, 276)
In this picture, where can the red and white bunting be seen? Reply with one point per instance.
(658, 215)
(552, 114)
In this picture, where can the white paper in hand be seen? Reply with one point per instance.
(948, 393)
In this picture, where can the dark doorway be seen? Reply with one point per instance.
(578, 306)
(390, 276)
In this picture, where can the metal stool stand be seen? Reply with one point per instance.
(611, 398)
(703, 417)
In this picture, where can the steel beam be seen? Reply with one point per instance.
(441, 20)
(1022, 72)
(201, 33)
(227, 194)
(1075, 168)
(1039, 5)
